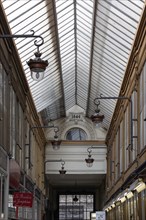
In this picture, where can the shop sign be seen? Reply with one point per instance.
(22, 199)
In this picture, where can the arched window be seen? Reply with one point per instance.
(76, 134)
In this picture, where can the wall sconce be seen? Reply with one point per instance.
(138, 185)
(113, 205)
(121, 198)
(96, 102)
(128, 194)
(56, 142)
(117, 203)
(89, 160)
(97, 117)
(37, 65)
(62, 170)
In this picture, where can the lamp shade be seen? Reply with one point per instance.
(89, 161)
(97, 118)
(37, 75)
(56, 144)
(62, 171)
(37, 67)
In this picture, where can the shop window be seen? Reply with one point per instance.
(76, 134)
(12, 122)
(23, 212)
(11, 119)
(142, 112)
(27, 149)
(121, 146)
(127, 138)
(134, 125)
(113, 162)
(117, 154)
(4, 108)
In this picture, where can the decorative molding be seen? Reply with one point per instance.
(76, 117)
(83, 124)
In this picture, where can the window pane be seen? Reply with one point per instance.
(76, 134)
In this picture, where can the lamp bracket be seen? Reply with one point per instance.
(131, 113)
(111, 97)
(61, 171)
(89, 150)
(36, 42)
(96, 103)
(30, 130)
(62, 161)
(56, 129)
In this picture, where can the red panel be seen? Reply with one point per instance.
(22, 199)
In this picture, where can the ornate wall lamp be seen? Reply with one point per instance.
(37, 65)
(56, 142)
(38, 127)
(89, 161)
(62, 170)
(96, 118)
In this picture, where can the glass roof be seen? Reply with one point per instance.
(87, 44)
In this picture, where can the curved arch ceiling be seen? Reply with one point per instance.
(87, 45)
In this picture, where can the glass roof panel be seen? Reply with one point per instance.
(21, 15)
(60, 5)
(84, 11)
(66, 36)
(116, 18)
(66, 10)
(67, 27)
(9, 4)
(139, 4)
(87, 49)
(109, 4)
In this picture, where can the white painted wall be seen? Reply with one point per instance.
(74, 157)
